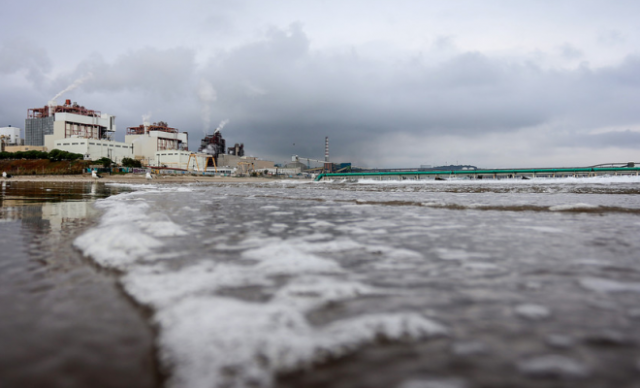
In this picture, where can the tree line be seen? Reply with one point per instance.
(58, 155)
(53, 155)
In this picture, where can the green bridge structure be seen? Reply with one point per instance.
(526, 173)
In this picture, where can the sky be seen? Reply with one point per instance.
(492, 83)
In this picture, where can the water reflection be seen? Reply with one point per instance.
(71, 306)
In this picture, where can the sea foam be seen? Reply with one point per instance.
(209, 339)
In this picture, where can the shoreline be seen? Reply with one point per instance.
(138, 179)
(77, 306)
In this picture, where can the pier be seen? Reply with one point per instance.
(488, 174)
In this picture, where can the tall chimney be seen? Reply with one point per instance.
(326, 149)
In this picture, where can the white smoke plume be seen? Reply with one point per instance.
(74, 85)
(207, 95)
(146, 119)
(221, 125)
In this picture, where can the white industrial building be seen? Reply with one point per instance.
(10, 136)
(95, 149)
(186, 160)
(73, 128)
(151, 142)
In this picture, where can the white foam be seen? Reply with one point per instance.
(395, 254)
(504, 182)
(281, 213)
(457, 254)
(478, 266)
(532, 311)
(286, 259)
(307, 292)
(553, 366)
(332, 246)
(560, 341)
(158, 287)
(544, 229)
(207, 339)
(575, 206)
(608, 286)
(116, 248)
(321, 224)
(469, 348)
(222, 342)
(126, 232)
(160, 225)
(434, 383)
(434, 204)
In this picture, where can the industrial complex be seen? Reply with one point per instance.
(73, 128)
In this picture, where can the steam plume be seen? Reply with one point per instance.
(221, 125)
(146, 119)
(74, 85)
(207, 95)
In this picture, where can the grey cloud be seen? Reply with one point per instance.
(619, 139)
(20, 54)
(611, 38)
(307, 94)
(570, 52)
(278, 91)
(164, 73)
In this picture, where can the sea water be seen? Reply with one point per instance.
(64, 322)
(383, 284)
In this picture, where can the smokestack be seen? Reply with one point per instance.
(326, 149)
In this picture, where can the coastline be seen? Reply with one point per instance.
(77, 313)
(137, 179)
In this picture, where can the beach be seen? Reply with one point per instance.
(291, 283)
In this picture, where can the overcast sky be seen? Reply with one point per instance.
(492, 83)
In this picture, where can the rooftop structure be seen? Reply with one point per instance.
(145, 129)
(68, 107)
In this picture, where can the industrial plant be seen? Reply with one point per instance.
(10, 137)
(74, 128)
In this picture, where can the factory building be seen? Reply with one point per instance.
(178, 159)
(10, 136)
(234, 158)
(95, 149)
(74, 128)
(63, 121)
(151, 142)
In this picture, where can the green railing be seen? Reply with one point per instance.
(493, 173)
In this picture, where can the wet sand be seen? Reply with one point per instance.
(64, 322)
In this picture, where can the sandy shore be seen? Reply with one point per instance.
(130, 178)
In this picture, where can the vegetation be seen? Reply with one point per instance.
(105, 162)
(128, 162)
(43, 166)
(54, 155)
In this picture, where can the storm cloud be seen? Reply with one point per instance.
(382, 101)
